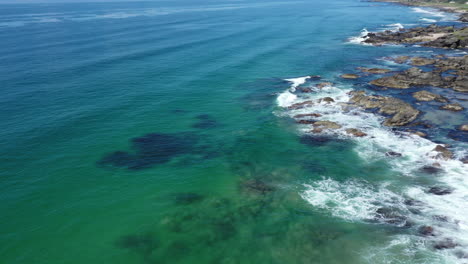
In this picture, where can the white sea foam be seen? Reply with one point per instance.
(395, 27)
(360, 39)
(428, 20)
(286, 99)
(354, 200)
(428, 11)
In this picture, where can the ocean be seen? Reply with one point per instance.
(158, 132)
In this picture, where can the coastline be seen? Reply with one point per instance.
(385, 121)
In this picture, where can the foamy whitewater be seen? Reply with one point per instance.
(358, 200)
(364, 32)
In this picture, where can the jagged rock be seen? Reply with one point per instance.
(307, 115)
(324, 84)
(393, 154)
(439, 190)
(401, 59)
(446, 244)
(426, 96)
(431, 169)
(452, 107)
(444, 153)
(355, 132)
(410, 77)
(402, 112)
(349, 76)
(426, 230)
(306, 122)
(301, 105)
(305, 90)
(327, 125)
(419, 61)
(390, 216)
(326, 100)
(374, 70)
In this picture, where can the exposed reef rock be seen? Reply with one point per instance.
(431, 36)
(452, 107)
(374, 70)
(355, 132)
(349, 76)
(426, 96)
(401, 112)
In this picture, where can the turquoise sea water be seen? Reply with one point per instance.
(150, 133)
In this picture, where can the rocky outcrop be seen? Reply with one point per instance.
(439, 191)
(327, 125)
(444, 153)
(307, 115)
(324, 84)
(432, 36)
(426, 96)
(410, 77)
(355, 132)
(401, 112)
(452, 107)
(463, 127)
(300, 105)
(374, 70)
(419, 61)
(349, 76)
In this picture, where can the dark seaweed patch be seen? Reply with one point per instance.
(206, 122)
(316, 140)
(141, 243)
(152, 149)
(187, 198)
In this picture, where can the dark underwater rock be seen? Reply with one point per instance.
(142, 244)
(446, 244)
(390, 216)
(393, 154)
(426, 231)
(256, 186)
(440, 190)
(429, 169)
(188, 198)
(152, 149)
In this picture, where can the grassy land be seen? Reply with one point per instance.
(460, 5)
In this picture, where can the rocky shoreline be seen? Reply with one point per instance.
(436, 83)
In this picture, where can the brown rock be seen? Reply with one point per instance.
(307, 115)
(426, 230)
(326, 100)
(463, 127)
(374, 70)
(355, 132)
(324, 84)
(419, 61)
(349, 76)
(306, 122)
(444, 153)
(327, 125)
(426, 96)
(301, 105)
(452, 107)
(401, 59)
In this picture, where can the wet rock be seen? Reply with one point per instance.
(446, 244)
(305, 90)
(426, 96)
(301, 105)
(410, 77)
(463, 127)
(444, 153)
(452, 107)
(326, 100)
(440, 190)
(306, 122)
(402, 112)
(349, 76)
(374, 70)
(355, 132)
(327, 125)
(324, 84)
(188, 198)
(307, 115)
(431, 169)
(419, 133)
(419, 61)
(413, 202)
(401, 59)
(393, 154)
(390, 216)
(315, 77)
(426, 231)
